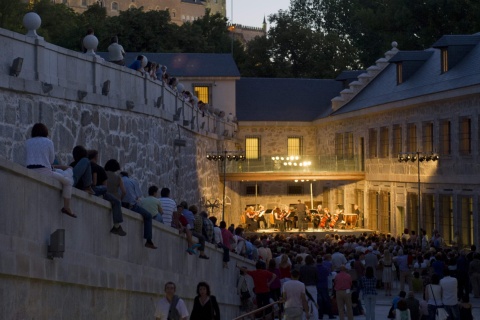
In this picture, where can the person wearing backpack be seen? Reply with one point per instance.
(171, 307)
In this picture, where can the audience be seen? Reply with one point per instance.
(152, 204)
(116, 53)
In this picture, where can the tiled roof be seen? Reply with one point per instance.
(350, 74)
(428, 79)
(272, 99)
(190, 64)
(411, 56)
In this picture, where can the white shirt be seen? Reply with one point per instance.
(115, 52)
(338, 259)
(293, 290)
(168, 206)
(39, 151)
(218, 235)
(449, 291)
(162, 306)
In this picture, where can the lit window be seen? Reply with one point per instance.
(252, 148)
(294, 146)
(465, 139)
(444, 58)
(445, 138)
(203, 93)
(427, 137)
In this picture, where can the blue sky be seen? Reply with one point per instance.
(251, 12)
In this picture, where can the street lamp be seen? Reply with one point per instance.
(419, 157)
(225, 156)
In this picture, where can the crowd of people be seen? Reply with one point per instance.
(304, 271)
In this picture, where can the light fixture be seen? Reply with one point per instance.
(273, 158)
(106, 88)
(16, 67)
(46, 87)
(130, 104)
(56, 248)
(421, 158)
(159, 102)
(413, 158)
(209, 157)
(176, 116)
(428, 157)
(435, 157)
(81, 94)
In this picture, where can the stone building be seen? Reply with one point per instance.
(401, 141)
(180, 10)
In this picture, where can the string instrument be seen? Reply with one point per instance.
(324, 220)
(316, 220)
(334, 220)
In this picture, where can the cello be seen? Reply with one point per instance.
(325, 218)
(333, 221)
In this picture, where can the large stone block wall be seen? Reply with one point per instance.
(101, 276)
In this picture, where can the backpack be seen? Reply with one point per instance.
(173, 313)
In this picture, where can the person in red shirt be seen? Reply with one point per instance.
(343, 287)
(262, 279)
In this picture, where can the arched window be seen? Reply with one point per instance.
(174, 13)
(114, 6)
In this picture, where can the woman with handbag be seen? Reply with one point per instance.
(205, 306)
(433, 295)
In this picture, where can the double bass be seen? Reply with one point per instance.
(326, 217)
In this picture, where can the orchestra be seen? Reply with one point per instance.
(286, 218)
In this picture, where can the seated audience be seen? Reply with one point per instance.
(82, 170)
(116, 53)
(152, 204)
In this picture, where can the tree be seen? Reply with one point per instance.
(11, 15)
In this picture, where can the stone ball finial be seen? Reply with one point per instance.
(394, 44)
(31, 22)
(90, 43)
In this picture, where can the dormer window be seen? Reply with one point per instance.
(444, 58)
(399, 73)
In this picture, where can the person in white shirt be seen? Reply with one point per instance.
(168, 206)
(162, 307)
(116, 53)
(295, 298)
(449, 295)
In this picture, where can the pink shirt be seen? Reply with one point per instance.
(227, 237)
(343, 281)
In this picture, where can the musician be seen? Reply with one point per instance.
(326, 219)
(261, 217)
(278, 215)
(288, 218)
(356, 210)
(252, 224)
(301, 211)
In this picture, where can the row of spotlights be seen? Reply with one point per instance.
(229, 157)
(421, 158)
(296, 180)
(292, 158)
(301, 164)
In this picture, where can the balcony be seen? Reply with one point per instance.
(306, 167)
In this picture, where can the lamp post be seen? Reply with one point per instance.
(418, 157)
(223, 156)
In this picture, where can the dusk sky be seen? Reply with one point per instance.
(251, 12)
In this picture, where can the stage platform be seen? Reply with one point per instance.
(319, 233)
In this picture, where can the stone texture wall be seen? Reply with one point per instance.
(101, 276)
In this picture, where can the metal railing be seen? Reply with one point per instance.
(270, 315)
(305, 163)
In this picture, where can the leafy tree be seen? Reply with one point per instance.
(11, 15)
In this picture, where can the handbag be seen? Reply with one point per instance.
(440, 312)
(244, 295)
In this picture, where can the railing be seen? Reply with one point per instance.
(269, 315)
(305, 163)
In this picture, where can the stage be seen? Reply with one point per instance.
(319, 233)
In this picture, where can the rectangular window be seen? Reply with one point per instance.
(446, 217)
(203, 93)
(373, 210)
(427, 137)
(444, 57)
(466, 233)
(411, 137)
(252, 148)
(349, 145)
(397, 139)
(465, 139)
(295, 146)
(372, 143)
(445, 138)
(428, 215)
(339, 145)
(384, 211)
(384, 145)
(412, 211)
(295, 190)
(250, 190)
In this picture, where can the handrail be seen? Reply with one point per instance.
(257, 310)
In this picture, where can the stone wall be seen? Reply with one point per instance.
(101, 276)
